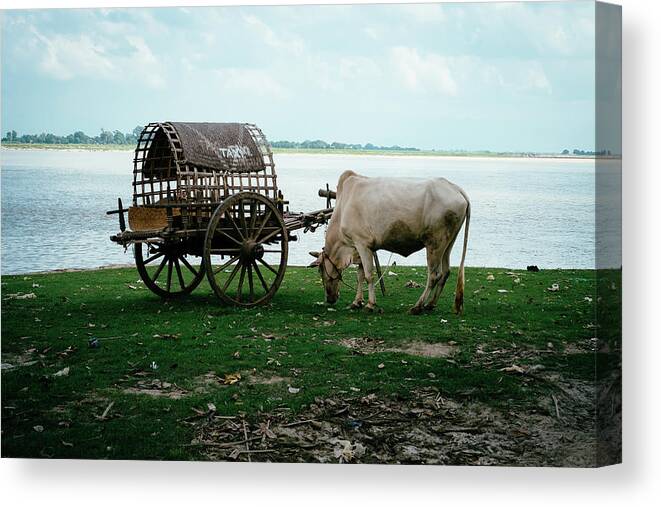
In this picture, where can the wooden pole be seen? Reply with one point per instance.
(377, 264)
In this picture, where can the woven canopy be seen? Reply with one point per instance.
(219, 146)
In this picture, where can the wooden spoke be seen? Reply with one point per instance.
(267, 265)
(236, 227)
(159, 269)
(229, 237)
(241, 277)
(185, 263)
(253, 216)
(250, 283)
(171, 254)
(182, 284)
(154, 257)
(259, 275)
(169, 274)
(231, 277)
(249, 217)
(228, 263)
(266, 219)
(244, 223)
(270, 235)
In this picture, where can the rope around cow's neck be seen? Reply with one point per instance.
(337, 270)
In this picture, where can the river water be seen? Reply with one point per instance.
(524, 211)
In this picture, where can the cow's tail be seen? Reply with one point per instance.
(459, 292)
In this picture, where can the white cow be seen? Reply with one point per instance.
(401, 215)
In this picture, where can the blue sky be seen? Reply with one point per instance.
(507, 76)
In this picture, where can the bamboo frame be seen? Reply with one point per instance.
(162, 175)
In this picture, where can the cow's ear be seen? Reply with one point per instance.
(314, 254)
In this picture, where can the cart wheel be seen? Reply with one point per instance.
(245, 250)
(165, 270)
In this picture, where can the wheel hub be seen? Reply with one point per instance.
(250, 250)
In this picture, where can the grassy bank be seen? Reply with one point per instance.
(85, 147)
(424, 153)
(95, 366)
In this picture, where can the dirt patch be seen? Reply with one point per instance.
(582, 347)
(92, 403)
(211, 380)
(208, 381)
(413, 348)
(426, 429)
(363, 345)
(425, 349)
(157, 388)
(11, 361)
(268, 380)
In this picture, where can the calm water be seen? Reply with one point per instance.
(524, 211)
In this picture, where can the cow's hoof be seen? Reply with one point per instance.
(355, 305)
(428, 308)
(415, 310)
(373, 309)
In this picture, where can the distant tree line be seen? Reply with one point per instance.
(79, 137)
(118, 137)
(602, 153)
(323, 145)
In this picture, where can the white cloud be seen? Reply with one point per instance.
(427, 72)
(549, 28)
(534, 78)
(254, 82)
(516, 76)
(432, 73)
(66, 57)
(277, 41)
(142, 62)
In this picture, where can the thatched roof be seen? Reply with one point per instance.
(219, 146)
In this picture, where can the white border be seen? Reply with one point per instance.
(29, 482)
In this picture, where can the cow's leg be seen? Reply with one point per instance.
(359, 302)
(367, 260)
(433, 276)
(445, 274)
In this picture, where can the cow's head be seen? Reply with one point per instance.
(331, 275)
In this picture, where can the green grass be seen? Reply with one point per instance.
(191, 337)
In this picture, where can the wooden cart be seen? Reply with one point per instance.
(206, 203)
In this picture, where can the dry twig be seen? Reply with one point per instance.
(245, 434)
(557, 408)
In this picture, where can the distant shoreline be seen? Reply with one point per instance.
(342, 152)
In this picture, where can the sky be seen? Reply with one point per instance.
(503, 77)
